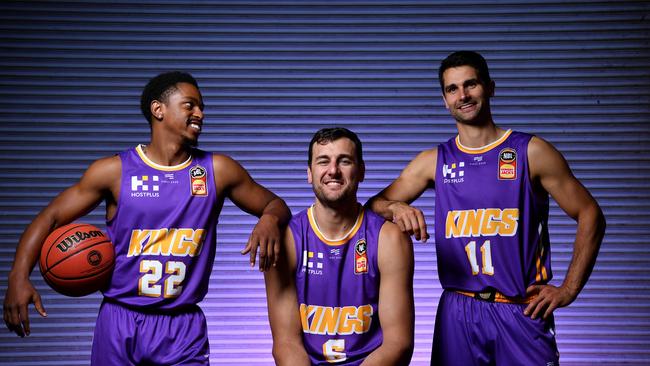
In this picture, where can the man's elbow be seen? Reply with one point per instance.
(402, 348)
(597, 218)
(289, 353)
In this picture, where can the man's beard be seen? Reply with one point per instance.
(341, 199)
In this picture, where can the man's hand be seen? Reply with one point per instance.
(266, 236)
(410, 220)
(16, 306)
(547, 299)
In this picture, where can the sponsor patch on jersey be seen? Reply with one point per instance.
(507, 164)
(198, 181)
(360, 257)
(145, 186)
(312, 262)
(453, 173)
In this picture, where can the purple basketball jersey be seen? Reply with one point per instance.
(163, 231)
(338, 289)
(491, 225)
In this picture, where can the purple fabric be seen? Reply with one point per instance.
(491, 225)
(164, 233)
(471, 332)
(345, 285)
(126, 337)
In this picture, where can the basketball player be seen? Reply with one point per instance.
(343, 293)
(491, 228)
(162, 204)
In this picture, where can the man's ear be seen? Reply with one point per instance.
(157, 110)
(309, 177)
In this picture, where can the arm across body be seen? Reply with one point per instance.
(393, 203)
(234, 182)
(100, 181)
(282, 302)
(396, 305)
(549, 168)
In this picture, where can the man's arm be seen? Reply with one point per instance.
(76, 201)
(396, 308)
(393, 202)
(282, 302)
(550, 169)
(235, 183)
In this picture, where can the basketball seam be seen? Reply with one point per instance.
(48, 270)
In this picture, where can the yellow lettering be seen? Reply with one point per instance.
(451, 227)
(138, 237)
(183, 244)
(509, 222)
(153, 246)
(197, 240)
(472, 224)
(345, 321)
(364, 314)
(303, 318)
(335, 320)
(481, 222)
(490, 225)
(329, 323)
(318, 313)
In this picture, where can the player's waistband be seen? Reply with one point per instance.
(496, 296)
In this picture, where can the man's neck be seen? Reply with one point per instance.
(478, 135)
(335, 223)
(167, 154)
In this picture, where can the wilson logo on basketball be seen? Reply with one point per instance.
(77, 237)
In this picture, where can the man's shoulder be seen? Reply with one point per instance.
(390, 232)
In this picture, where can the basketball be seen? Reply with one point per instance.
(77, 259)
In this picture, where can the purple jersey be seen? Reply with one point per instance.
(491, 225)
(338, 289)
(163, 231)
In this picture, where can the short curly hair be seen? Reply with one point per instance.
(161, 87)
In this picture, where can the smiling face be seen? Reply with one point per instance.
(334, 172)
(182, 113)
(465, 95)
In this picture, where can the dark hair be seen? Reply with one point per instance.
(465, 58)
(161, 87)
(325, 135)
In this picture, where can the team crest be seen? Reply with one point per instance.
(360, 257)
(508, 164)
(198, 181)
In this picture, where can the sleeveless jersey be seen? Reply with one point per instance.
(337, 284)
(491, 225)
(164, 232)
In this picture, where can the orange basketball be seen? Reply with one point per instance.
(77, 259)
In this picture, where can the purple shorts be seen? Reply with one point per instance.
(469, 332)
(128, 337)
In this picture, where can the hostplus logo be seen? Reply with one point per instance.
(145, 186)
(453, 173)
(312, 262)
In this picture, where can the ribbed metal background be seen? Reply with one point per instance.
(272, 73)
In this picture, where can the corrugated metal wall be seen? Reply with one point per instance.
(272, 73)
